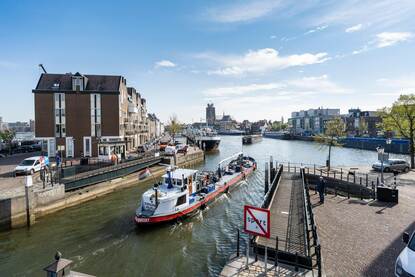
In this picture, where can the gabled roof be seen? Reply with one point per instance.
(95, 82)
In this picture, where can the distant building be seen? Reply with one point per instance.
(362, 123)
(17, 126)
(259, 126)
(210, 114)
(312, 121)
(154, 126)
(226, 123)
(32, 125)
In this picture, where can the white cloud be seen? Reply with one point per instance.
(386, 39)
(379, 13)
(262, 60)
(273, 37)
(354, 28)
(260, 98)
(164, 63)
(319, 28)
(240, 90)
(288, 88)
(243, 12)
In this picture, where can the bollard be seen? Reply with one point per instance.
(276, 253)
(367, 181)
(348, 192)
(360, 182)
(341, 174)
(314, 169)
(237, 244)
(334, 174)
(28, 185)
(266, 184)
(247, 253)
(373, 190)
(265, 260)
(296, 261)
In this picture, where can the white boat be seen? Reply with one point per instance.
(183, 191)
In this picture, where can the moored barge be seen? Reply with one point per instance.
(183, 192)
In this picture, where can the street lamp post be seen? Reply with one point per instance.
(388, 142)
(381, 156)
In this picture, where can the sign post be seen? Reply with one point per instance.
(257, 222)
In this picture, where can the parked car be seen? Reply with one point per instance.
(392, 165)
(141, 149)
(181, 148)
(405, 263)
(170, 150)
(31, 165)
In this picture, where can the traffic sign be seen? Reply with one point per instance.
(257, 221)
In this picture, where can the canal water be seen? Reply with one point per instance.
(102, 239)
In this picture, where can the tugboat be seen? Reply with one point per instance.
(183, 192)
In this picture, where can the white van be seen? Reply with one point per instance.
(31, 165)
(405, 263)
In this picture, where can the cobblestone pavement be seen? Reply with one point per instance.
(237, 268)
(363, 238)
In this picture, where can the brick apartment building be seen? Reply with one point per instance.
(88, 115)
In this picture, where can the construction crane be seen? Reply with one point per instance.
(42, 67)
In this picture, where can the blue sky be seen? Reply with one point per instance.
(252, 59)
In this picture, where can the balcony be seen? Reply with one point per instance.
(132, 108)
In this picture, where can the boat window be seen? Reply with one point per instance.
(181, 200)
(178, 182)
(185, 181)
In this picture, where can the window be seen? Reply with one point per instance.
(95, 115)
(77, 84)
(181, 200)
(103, 150)
(60, 130)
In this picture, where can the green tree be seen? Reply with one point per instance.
(7, 137)
(174, 126)
(400, 119)
(334, 129)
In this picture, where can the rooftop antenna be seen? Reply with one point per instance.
(43, 68)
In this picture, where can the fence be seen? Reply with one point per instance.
(108, 173)
(338, 180)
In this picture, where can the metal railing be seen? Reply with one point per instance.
(274, 186)
(108, 173)
(339, 181)
(311, 228)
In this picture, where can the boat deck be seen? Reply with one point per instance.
(287, 217)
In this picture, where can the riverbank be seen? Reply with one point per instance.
(397, 146)
(45, 201)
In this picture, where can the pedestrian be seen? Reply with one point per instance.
(321, 187)
(58, 159)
